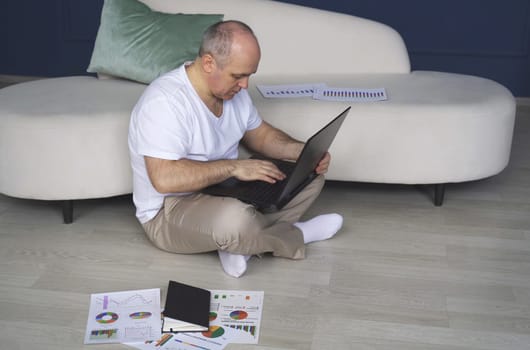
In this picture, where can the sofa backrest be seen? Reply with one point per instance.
(298, 40)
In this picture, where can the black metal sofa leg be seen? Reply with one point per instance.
(439, 192)
(68, 211)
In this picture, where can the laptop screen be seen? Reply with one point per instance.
(314, 150)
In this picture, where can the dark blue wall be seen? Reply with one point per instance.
(488, 38)
(47, 37)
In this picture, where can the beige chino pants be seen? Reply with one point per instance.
(201, 223)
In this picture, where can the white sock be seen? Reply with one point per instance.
(234, 265)
(320, 227)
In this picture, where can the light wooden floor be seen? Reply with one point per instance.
(402, 274)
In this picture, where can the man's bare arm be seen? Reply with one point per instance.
(273, 142)
(185, 175)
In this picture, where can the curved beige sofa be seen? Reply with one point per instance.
(66, 138)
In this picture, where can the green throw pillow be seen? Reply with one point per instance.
(137, 43)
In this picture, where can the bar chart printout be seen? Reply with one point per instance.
(320, 91)
(237, 310)
(350, 94)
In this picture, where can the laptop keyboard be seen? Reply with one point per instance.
(265, 191)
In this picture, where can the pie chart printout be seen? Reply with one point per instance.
(238, 315)
(107, 317)
(214, 332)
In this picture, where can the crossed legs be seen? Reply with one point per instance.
(201, 223)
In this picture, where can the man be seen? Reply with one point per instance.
(184, 136)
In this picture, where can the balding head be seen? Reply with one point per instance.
(222, 38)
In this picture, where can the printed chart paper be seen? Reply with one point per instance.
(240, 310)
(187, 341)
(235, 317)
(349, 94)
(321, 91)
(289, 91)
(129, 316)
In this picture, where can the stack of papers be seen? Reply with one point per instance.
(323, 92)
(235, 317)
(134, 318)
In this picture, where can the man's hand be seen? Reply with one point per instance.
(256, 169)
(185, 175)
(274, 143)
(323, 165)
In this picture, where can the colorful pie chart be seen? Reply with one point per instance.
(238, 315)
(107, 317)
(214, 332)
(140, 315)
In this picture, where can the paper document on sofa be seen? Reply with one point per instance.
(350, 94)
(320, 91)
(289, 91)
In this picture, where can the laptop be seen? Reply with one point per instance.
(268, 197)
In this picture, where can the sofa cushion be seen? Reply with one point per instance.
(435, 127)
(137, 43)
(72, 132)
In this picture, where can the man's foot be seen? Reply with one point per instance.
(320, 227)
(234, 265)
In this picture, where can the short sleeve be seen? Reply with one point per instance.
(162, 130)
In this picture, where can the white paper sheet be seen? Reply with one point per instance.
(240, 310)
(187, 341)
(129, 316)
(289, 91)
(320, 91)
(350, 94)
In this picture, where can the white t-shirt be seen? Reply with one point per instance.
(170, 121)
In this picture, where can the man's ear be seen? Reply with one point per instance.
(208, 63)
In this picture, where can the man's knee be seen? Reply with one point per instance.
(236, 224)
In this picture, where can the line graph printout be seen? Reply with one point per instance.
(128, 316)
(289, 91)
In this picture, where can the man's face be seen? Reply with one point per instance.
(227, 79)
